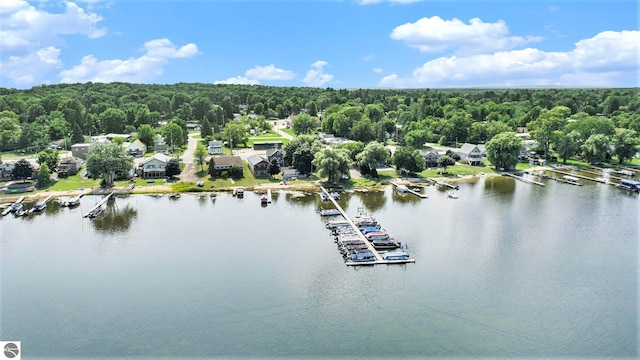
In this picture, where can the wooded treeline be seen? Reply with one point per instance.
(30, 119)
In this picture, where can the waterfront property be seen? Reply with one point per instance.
(136, 148)
(69, 166)
(80, 150)
(153, 167)
(258, 165)
(226, 162)
(472, 154)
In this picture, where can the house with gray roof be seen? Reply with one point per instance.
(472, 154)
(258, 165)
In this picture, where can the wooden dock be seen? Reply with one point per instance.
(376, 254)
(523, 179)
(602, 181)
(445, 184)
(99, 204)
(8, 209)
(33, 209)
(269, 196)
(411, 191)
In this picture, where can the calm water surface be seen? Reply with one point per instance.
(507, 270)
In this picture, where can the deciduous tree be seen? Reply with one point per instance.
(625, 143)
(332, 163)
(596, 149)
(22, 170)
(503, 150)
(408, 159)
(172, 168)
(199, 154)
(49, 157)
(106, 160)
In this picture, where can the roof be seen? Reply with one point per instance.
(139, 143)
(215, 143)
(255, 159)
(468, 148)
(228, 160)
(273, 151)
(157, 156)
(70, 159)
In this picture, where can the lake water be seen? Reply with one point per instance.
(507, 270)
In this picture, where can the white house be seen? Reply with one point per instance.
(136, 148)
(215, 147)
(153, 166)
(472, 154)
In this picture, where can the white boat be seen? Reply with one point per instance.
(337, 224)
(335, 195)
(378, 235)
(399, 254)
(329, 212)
(402, 189)
(452, 195)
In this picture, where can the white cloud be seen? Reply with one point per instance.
(368, 58)
(27, 69)
(437, 35)
(31, 38)
(269, 72)
(377, 70)
(316, 76)
(25, 28)
(238, 80)
(138, 70)
(607, 59)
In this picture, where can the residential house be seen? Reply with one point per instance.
(6, 168)
(80, 150)
(289, 173)
(153, 167)
(275, 154)
(472, 154)
(225, 162)
(193, 126)
(125, 137)
(430, 158)
(215, 147)
(57, 145)
(136, 148)
(258, 165)
(161, 147)
(69, 166)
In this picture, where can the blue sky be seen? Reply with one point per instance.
(331, 43)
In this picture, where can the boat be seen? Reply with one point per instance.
(385, 244)
(399, 254)
(264, 200)
(174, 196)
(329, 212)
(452, 195)
(238, 192)
(71, 203)
(571, 179)
(335, 195)
(337, 224)
(402, 189)
(324, 196)
(14, 208)
(630, 185)
(39, 206)
(370, 229)
(94, 213)
(379, 235)
(362, 256)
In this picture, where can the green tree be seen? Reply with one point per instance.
(408, 160)
(172, 168)
(332, 163)
(200, 154)
(625, 144)
(595, 149)
(503, 150)
(205, 129)
(113, 120)
(76, 135)
(173, 135)
(212, 168)
(373, 155)
(362, 131)
(236, 133)
(568, 145)
(274, 167)
(304, 124)
(49, 157)
(44, 174)
(106, 160)
(22, 169)
(302, 158)
(416, 138)
(445, 161)
(544, 128)
(146, 135)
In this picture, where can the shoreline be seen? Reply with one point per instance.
(259, 188)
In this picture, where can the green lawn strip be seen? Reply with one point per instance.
(254, 139)
(288, 131)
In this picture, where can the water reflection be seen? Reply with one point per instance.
(113, 219)
(373, 200)
(500, 185)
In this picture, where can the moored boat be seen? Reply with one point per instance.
(630, 185)
(399, 254)
(264, 200)
(329, 212)
(379, 235)
(337, 224)
(452, 195)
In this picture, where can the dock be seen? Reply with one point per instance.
(576, 176)
(36, 206)
(269, 196)
(99, 204)
(523, 179)
(9, 209)
(411, 191)
(445, 184)
(360, 235)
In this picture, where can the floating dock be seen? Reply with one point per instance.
(523, 179)
(445, 184)
(411, 191)
(360, 235)
(99, 204)
(9, 209)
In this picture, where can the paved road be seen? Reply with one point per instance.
(190, 168)
(276, 128)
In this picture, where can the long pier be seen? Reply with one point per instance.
(99, 204)
(602, 181)
(442, 183)
(359, 234)
(523, 179)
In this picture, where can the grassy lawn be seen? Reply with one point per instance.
(13, 155)
(266, 138)
(288, 131)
